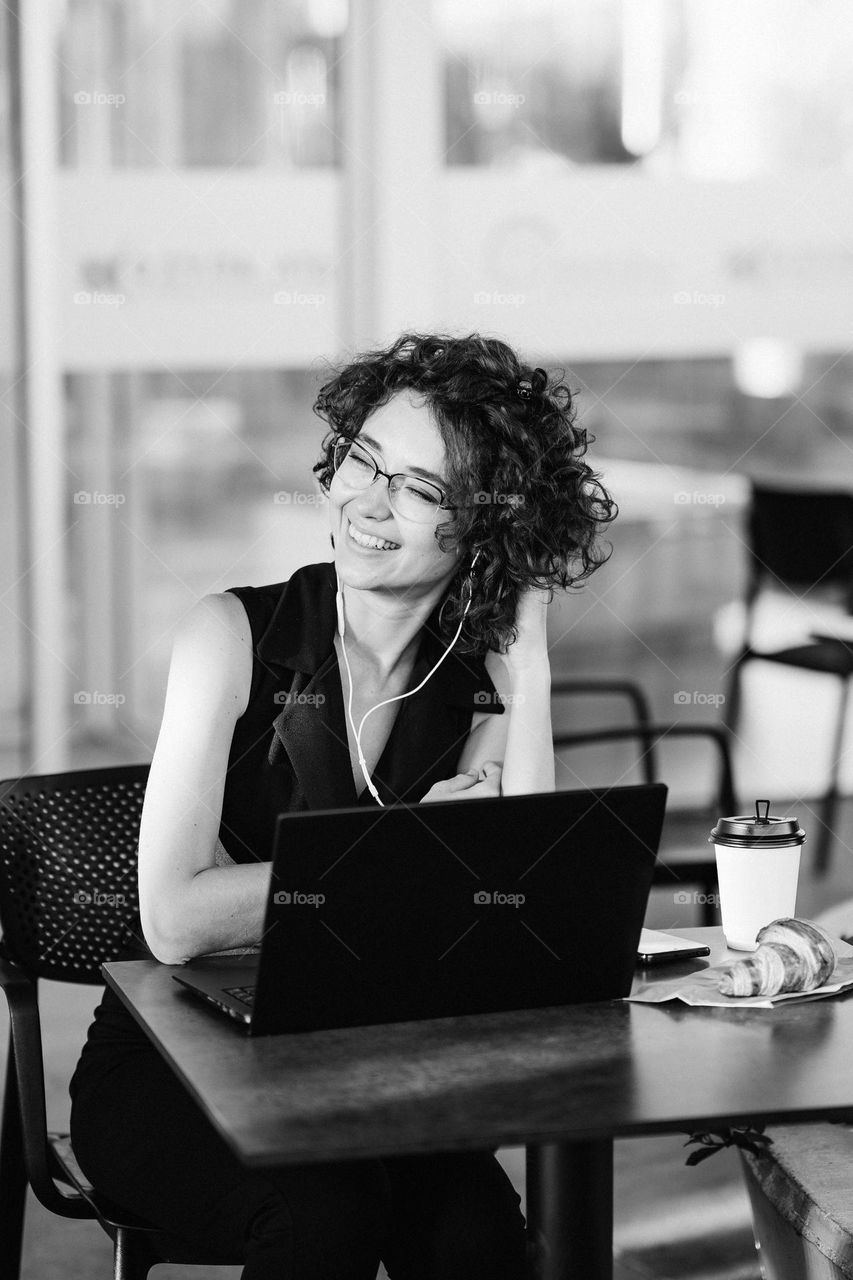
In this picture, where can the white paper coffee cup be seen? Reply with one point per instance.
(758, 866)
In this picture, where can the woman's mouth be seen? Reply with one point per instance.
(369, 542)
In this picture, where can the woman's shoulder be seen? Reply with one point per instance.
(274, 600)
(212, 647)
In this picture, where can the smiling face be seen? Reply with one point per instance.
(402, 437)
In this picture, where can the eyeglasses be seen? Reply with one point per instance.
(410, 497)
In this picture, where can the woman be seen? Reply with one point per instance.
(414, 667)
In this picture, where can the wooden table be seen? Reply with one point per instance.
(564, 1082)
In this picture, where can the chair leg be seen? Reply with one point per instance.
(133, 1257)
(829, 806)
(13, 1179)
(731, 706)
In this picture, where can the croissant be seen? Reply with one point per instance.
(792, 955)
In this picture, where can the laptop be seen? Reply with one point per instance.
(436, 910)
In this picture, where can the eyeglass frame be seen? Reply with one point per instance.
(377, 471)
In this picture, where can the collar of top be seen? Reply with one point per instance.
(300, 636)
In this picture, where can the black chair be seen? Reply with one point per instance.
(685, 856)
(68, 852)
(802, 541)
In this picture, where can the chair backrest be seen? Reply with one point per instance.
(646, 736)
(68, 860)
(802, 537)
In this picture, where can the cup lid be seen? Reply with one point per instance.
(760, 828)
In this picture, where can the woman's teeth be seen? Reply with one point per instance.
(364, 541)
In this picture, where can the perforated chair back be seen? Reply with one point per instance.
(68, 861)
(802, 537)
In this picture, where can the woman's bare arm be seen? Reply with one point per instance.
(528, 762)
(529, 755)
(188, 904)
(511, 754)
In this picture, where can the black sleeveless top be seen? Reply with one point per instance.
(290, 751)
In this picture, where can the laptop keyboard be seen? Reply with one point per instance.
(245, 994)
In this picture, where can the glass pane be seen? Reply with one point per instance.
(211, 487)
(674, 442)
(240, 83)
(758, 89)
(532, 78)
(718, 91)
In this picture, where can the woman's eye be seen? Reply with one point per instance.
(423, 494)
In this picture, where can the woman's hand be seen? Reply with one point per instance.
(476, 784)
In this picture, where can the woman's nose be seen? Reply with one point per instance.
(375, 500)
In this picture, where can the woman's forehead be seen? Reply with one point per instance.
(405, 431)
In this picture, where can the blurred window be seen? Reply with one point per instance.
(187, 481)
(712, 91)
(211, 486)
(224, 83)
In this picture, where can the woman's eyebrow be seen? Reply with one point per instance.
(417, 471)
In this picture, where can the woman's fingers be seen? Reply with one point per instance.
(474, 784)
(490, 768)
(489, 783)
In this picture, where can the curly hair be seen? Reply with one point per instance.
(518, 484)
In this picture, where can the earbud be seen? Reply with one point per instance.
(470, 580)
(339, 601)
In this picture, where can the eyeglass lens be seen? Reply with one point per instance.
(409, 496)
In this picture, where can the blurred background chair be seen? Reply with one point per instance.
(606, 686)
(685, 856)
(68, 902)
(801, 541)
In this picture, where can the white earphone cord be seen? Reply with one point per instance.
(341, 626)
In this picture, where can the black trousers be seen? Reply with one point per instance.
(143, 1141)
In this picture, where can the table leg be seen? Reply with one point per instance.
(570, 1210)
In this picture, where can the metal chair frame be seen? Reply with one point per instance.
(702, 870)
